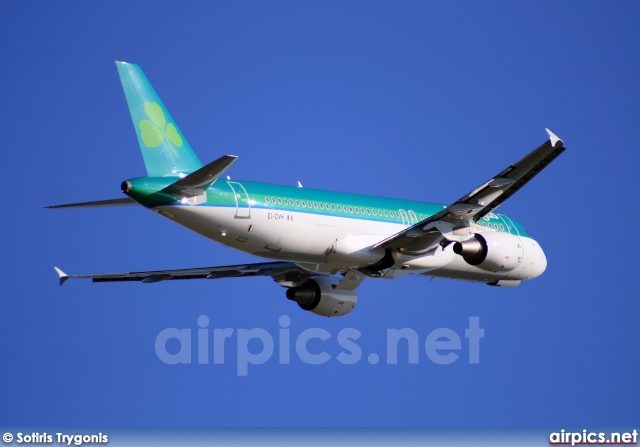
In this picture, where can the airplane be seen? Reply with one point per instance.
(321, 244)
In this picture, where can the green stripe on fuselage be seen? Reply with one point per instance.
(261, 196)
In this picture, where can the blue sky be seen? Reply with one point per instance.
(418, 100)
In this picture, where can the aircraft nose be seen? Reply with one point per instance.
(538, 260)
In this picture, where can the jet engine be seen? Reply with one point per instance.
(319, 296)
(496, 252)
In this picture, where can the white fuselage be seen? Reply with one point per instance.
(334, 244)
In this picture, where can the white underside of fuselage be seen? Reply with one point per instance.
(332, 244)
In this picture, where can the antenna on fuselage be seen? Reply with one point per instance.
(299, 184)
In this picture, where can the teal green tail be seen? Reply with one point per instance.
(165, 150)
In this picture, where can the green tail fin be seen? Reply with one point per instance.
(165, 150)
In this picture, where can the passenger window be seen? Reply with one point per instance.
(266, 199)
(297, 203)
(279, 201)
(315, 205)
(333, 207)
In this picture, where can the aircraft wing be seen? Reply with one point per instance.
(280, 271)
(427, 234)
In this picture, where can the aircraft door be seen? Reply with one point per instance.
(405, 219)
(243, 204)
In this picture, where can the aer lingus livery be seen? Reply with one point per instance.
(321, 244)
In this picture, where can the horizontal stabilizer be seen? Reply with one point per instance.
(111, 202)
(197, 182)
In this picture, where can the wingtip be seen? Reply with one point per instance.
(555, 141)
(62, 275)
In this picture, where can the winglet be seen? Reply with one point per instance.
(555, 141)
(63, 276)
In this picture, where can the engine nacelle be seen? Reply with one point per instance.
(496, 252)
(318, 296)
